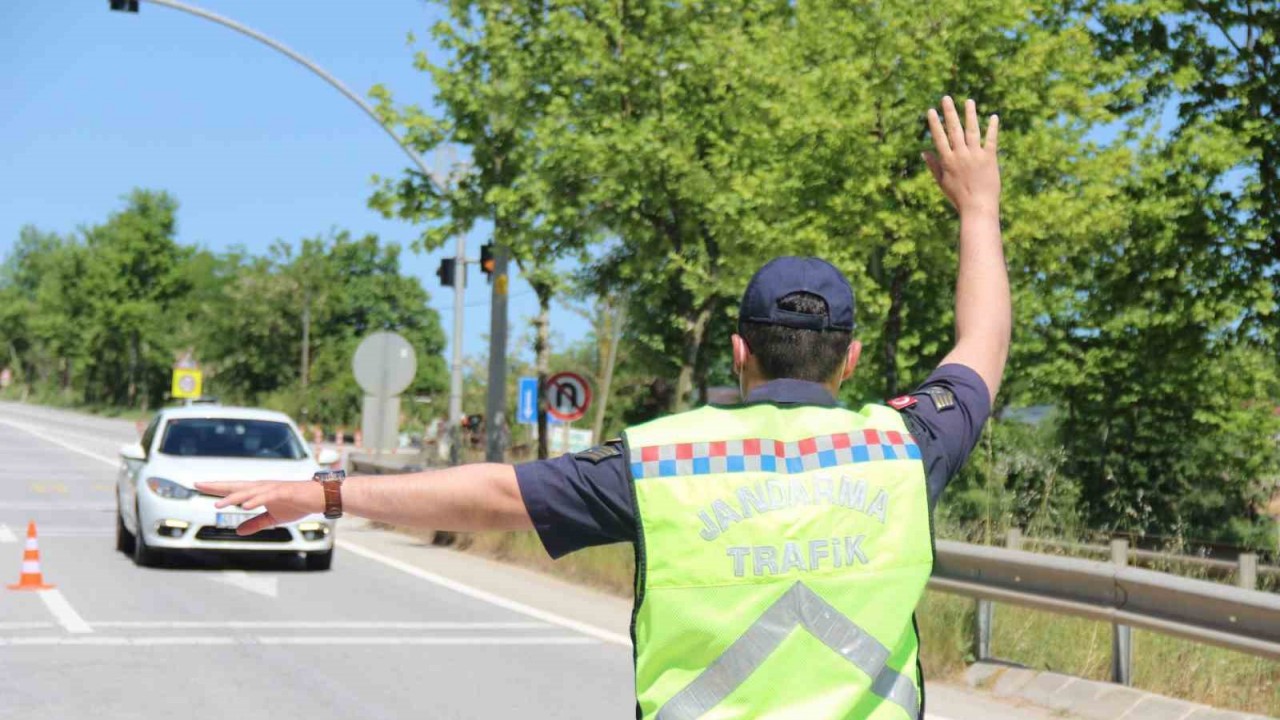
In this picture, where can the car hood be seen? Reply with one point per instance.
(187, 471)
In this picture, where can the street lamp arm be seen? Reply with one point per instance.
(337, 84)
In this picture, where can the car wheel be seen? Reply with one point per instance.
(124, 538)
(319, 560)
(143, 555)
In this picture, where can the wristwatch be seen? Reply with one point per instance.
(331, 480)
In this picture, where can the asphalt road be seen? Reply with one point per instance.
(395, 630)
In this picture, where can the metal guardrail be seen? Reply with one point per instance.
(1230, 617)
(1245, 563)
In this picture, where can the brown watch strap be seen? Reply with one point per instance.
(332, 499)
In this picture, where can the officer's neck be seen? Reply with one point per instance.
(751, 381)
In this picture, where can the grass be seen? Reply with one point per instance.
(1038, 640)
(16, 393)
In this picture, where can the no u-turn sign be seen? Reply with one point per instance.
(568, 396)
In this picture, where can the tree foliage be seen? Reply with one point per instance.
(101, 317)
(699, 138)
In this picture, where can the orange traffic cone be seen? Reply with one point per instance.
(31, 578)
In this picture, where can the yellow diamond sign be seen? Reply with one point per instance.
(187, 382)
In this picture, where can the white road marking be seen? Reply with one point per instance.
(6, 535)
(62, 611)
(309, 625)
(57, 441)
(265, 585)
(488, 597)
(371, 640)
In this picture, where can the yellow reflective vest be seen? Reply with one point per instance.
(780, 556)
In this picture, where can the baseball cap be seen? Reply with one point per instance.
(783, 276)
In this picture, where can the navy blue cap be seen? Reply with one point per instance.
(783, 276)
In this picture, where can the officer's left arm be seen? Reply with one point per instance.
(484, 496)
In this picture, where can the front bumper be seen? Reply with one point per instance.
(192, 525)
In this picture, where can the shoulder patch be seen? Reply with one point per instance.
(600, 453)
(902, 402)
(943, 399)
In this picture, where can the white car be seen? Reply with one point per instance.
(158, 508)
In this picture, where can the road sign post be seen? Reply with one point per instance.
(384, 365)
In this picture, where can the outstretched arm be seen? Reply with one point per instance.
(477, 497)
(966, 170)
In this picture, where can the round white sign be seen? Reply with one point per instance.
(384, 364)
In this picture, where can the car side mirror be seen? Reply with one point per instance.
(133, 451)
(328, 456)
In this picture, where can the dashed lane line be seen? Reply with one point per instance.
(485, 596)
(60, 442)
(6, 535)
(62, 611)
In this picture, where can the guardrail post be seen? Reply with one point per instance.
(985, 610)
(1247, 571)
(984, 615)
(1121, 635)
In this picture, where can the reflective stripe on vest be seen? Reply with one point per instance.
(782, 551)
(799, 607)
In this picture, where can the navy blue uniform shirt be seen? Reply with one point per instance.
(581, 500)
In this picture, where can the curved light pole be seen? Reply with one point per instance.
(459, 272)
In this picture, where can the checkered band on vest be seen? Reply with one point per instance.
(764, 455)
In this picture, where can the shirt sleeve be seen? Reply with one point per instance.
(578, 501)
(946, 433)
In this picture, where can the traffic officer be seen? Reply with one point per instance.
(783, 543)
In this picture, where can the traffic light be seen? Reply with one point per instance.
(446, 271)
(487, 262)
(124, 5)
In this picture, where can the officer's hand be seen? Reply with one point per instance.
(964, 167)
(284, 501)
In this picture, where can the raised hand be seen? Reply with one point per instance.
(964, 166)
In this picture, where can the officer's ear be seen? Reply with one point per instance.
(741, 351)
(851, 359)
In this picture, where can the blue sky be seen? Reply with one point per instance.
(254, 147)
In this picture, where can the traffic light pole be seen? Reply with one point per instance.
(496, 400)
(455, 378)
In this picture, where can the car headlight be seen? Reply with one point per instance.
(169, 489)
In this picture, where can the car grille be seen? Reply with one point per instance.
(209, 532)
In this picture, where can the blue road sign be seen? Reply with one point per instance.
(527, 410)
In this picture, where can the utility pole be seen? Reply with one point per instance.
(455, 377)
(496, 401)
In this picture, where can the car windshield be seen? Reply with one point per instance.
(231, 437)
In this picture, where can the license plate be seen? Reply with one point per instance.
(232, 520)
